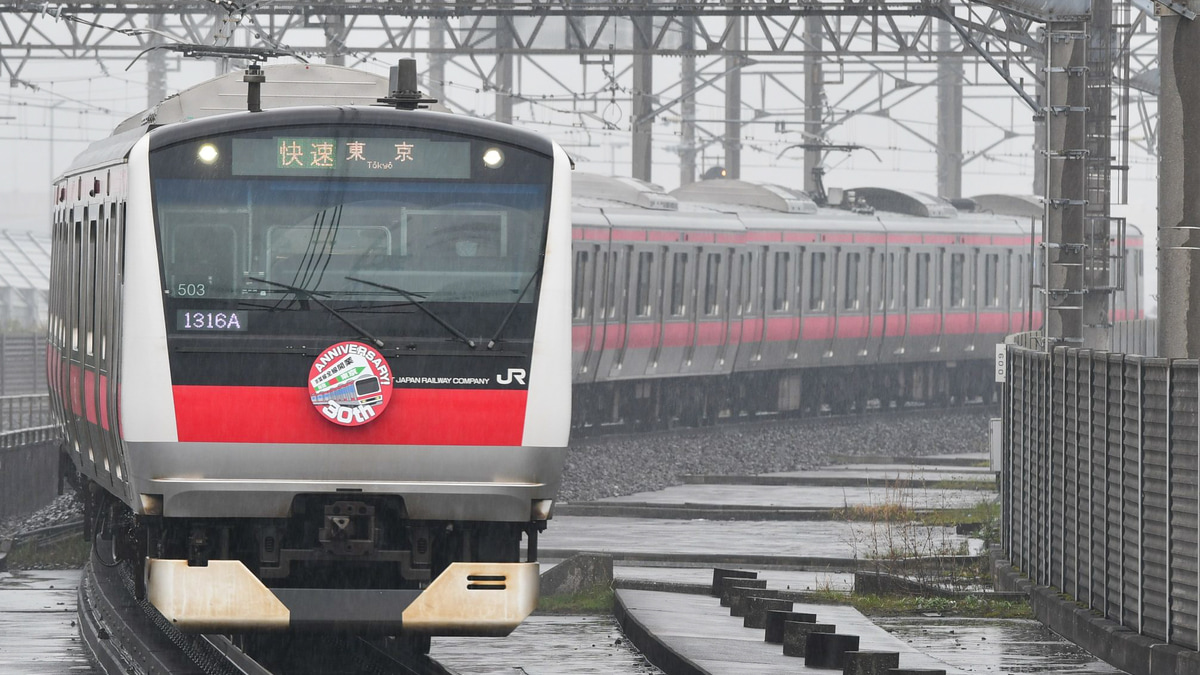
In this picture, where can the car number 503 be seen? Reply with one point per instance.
(190, 290)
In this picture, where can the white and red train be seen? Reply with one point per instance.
(725, 298)
(313, 362)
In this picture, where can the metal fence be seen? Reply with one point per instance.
(22, 364)
(25, 412)
(1100, 490)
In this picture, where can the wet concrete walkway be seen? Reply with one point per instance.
(38, 631)
(803, 555)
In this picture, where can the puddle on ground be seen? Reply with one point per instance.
(545, 645)
(995, 645)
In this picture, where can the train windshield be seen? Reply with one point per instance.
(349, 216)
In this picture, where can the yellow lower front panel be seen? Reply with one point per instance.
(221, 596)
(471, 598)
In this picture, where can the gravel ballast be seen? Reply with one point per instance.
(612, 466)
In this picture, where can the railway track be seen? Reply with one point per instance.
(127, 636)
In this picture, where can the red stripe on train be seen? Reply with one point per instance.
(413, 417)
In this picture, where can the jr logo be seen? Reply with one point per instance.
(517, 374)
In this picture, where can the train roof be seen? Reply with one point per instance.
(287, 85)
(747, 195)
(608, 201)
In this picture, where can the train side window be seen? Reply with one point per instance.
(816, 282)
(645, 263)
(779, 295)
(958, 264)
(991, 280)
(679, 284)
(851, 299)
(921, 289)
(712, 287)
(579, 289)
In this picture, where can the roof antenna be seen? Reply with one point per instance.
(403, 84)
(254, 79)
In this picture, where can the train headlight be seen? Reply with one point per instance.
(207, 153)
(493, 158)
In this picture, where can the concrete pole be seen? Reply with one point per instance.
(156, 64)
(335, 39)
(687, 106)
(436, 81)
(643, 97)
(504, 72)
(733, 101)
(814, 99)
(950, 117)
(1178, 189)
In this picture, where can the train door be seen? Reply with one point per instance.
(904, 298)
(995, 316)
(726, 304)
(876, 302)
(855, 314)
(833, 296)
(585, 301)
(674, 325)
(758, 301)
(702, 291)
(958, 333)
(816, 330)
(940, 296)
(800, 308)
(620, 309)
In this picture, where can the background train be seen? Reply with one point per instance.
(219, 273)
(726, 298)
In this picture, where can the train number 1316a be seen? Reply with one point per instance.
(209, 320)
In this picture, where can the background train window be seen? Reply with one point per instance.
(816, 282)
(958, 263)
(712, 276)
(991, 279)
(779, 297)
(921, 290)
(579, 308)
(1020, 287)
(853, 262)
(679, 285)
(645, 261)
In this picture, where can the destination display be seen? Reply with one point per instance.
(358, 157)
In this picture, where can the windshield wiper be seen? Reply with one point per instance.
(305, 294)
(417, 302)
(513, 307)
